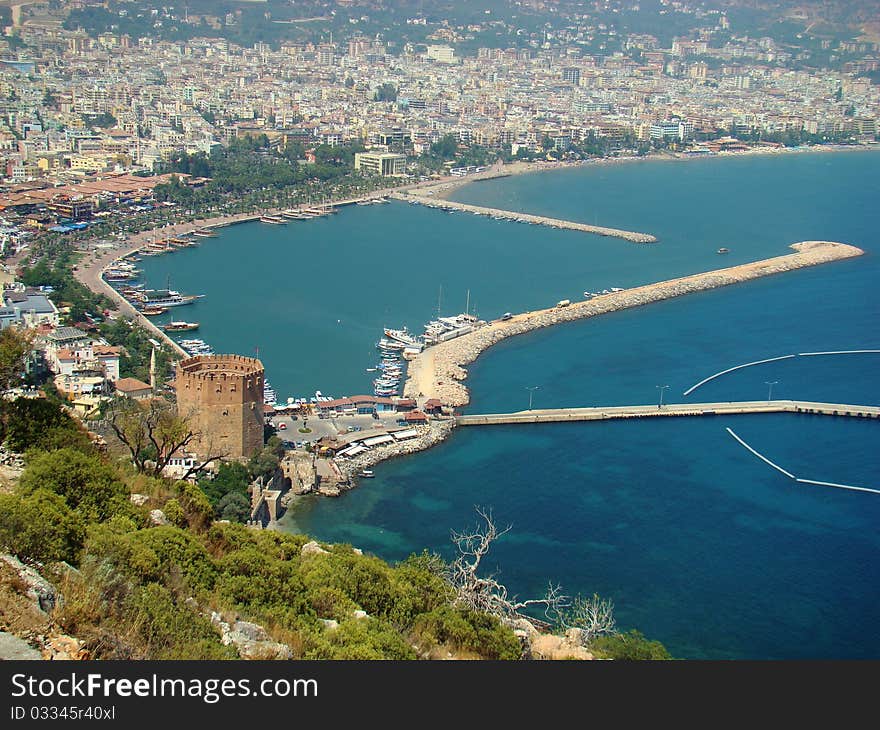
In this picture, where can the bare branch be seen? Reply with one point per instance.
(487, 594)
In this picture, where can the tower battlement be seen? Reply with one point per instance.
(222, 396)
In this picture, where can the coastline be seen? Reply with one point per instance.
(438, 371)
(440, 190)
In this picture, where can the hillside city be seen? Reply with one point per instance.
(131, 129)
(81, 108)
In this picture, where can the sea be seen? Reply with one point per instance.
(697, 542)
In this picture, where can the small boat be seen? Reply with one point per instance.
(367, 473)
(153, 311)
(180, 326)
(276, 219)
(723, 250)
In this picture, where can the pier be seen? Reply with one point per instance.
(437, 372)
(511, 215)
(610, 413)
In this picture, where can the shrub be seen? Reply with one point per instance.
(40, 527)
(629, 646)
(88, 485)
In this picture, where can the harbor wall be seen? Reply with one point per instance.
(633, 236)
(438, 371)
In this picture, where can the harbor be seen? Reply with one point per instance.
(438, 372)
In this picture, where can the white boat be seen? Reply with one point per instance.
(402, 336)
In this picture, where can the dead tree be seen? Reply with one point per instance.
(593, 617)
(487, 594)
(153, 433)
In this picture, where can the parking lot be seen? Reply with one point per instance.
(288, 429)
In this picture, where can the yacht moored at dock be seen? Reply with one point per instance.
(180, 326)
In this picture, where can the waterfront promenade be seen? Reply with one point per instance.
(510, 215)
(610, 413)
(439, 370)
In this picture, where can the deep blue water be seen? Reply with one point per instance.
(699, 544)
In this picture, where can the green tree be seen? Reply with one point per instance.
(89, 486)
(234, 507)
(40, 527)
(15, 345)
(386, 92)
(446, 147)
(41, 423)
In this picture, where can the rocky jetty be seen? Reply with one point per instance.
(438, 371)
(430, 435)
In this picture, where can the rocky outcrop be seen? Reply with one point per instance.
(158, 518)
(60, 647)
(14, 648)
(33, 585)
(312, 548)
(250, 640)
(537, 645)
(429, 435)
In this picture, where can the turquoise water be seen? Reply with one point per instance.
(698, 543)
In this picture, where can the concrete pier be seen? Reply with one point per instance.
(609, 413)
(526, 218)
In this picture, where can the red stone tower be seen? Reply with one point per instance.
(222, 396)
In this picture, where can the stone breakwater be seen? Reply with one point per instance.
(430, 435)
(438, 371)
(525, 218)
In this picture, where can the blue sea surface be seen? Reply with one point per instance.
(698, 543)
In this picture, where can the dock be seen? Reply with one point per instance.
(611, 413)
(510, 215)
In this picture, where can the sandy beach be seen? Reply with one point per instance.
(438, 371)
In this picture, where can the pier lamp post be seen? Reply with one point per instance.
(770, 384)
(661, 388)
(531, 392)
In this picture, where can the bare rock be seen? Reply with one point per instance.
(139, 499)
(553, 647)
(158, 518)
(250, 640)
(330, 623)
(12, 648)
(361, 614)
(36, 587)
(312, 548)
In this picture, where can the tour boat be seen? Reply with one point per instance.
(180, 326)
(152, 311)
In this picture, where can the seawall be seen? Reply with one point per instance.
(438, 371)
(633, 236)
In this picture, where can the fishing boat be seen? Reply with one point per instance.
(180, 326)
